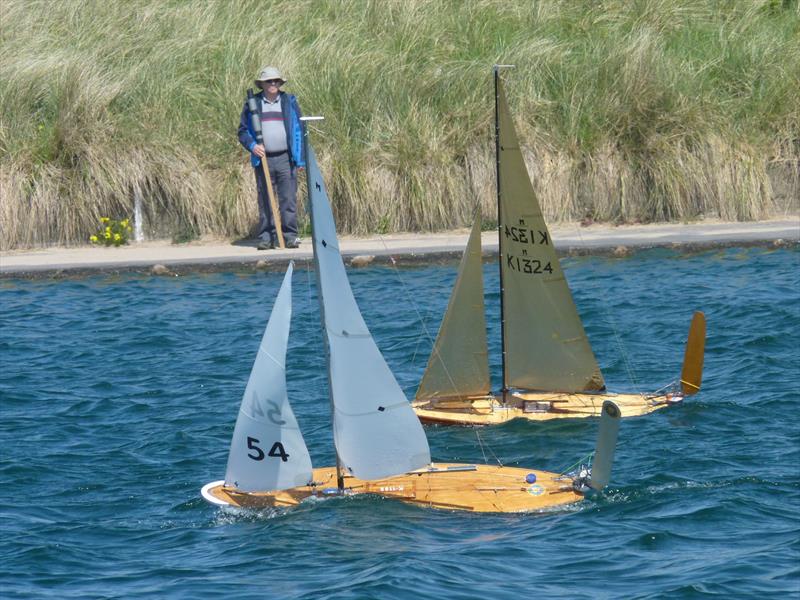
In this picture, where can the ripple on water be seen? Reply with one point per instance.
(119, 395)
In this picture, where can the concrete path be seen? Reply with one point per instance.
(408, 247)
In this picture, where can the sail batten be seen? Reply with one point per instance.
(376, 432)
(545, 345)
(459, 363)
(267, 449)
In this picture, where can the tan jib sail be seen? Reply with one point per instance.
(459, 365)
(545, 344)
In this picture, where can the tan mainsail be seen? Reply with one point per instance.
(545, 345)
(459, 364)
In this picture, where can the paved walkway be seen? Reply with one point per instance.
(216, 254)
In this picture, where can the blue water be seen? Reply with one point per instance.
(119, 395)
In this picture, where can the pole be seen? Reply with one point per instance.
(255, 121)
(312, 171)
(496, 69)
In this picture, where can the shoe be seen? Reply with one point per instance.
(266, 245)
(293, 244)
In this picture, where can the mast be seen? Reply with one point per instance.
(504, 389)
(339, 473)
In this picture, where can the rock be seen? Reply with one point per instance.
(361, 260)
(779, 243)
(160, 270)
(262, 265)
(621, 251)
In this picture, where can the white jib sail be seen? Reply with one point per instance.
(267, 450)
(375, 430)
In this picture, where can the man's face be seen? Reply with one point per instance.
(271, 86)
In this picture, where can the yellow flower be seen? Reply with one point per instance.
(104, 219)
(93, 239)
(108, 235)
(124, 222)
(117, 237)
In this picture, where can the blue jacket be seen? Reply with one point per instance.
(291, 121)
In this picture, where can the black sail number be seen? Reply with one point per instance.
(277, 450)
(251, 444)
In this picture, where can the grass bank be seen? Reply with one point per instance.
(628, 110)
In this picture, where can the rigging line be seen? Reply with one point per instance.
(480, 445)
(614, 329)
(582, 461)
(480, 441)
(427, 333)
(419, 315)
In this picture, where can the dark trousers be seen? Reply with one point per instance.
(284, 186)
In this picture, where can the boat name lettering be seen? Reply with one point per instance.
(391, 488)
(527, 236)
(527, 265)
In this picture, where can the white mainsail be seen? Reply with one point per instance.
(546, 347)
(376, 432)
(267, 450)
(459, 363)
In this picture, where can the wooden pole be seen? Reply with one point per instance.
(273, 204)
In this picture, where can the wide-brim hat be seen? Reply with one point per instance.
(268, 73)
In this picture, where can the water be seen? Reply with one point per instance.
(119, 395)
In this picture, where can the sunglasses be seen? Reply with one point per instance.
(275, 82)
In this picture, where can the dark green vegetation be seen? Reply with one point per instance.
(629, 110)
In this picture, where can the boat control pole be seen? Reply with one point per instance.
(255, 122)
(496, 70)
(309, 173)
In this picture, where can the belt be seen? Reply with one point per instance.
(274, 154)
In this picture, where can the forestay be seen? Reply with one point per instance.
(376, 432)
(545, 344)
(459, 364)
(267, 450)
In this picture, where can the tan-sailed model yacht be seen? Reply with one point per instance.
(549, 369)
(380, 444)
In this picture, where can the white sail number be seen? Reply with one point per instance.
(277, 450)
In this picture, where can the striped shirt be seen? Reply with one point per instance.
(272, 125)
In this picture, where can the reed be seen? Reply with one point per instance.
(628, 111)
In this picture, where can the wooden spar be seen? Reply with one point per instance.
(338, 468)
(504, 388)
(273, 204)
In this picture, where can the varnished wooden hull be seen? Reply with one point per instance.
(475, 488)
(534, 406)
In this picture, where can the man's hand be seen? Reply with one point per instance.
(259, 151)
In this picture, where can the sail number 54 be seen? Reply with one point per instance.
(277, 450)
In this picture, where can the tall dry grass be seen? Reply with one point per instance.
(629, 111)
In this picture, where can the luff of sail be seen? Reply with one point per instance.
(267, 449)
(545, 344)
(459, 364)
(376, 432)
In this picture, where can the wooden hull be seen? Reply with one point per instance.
(534, 406)
(475, 488)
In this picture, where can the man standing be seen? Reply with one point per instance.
(283, 149)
